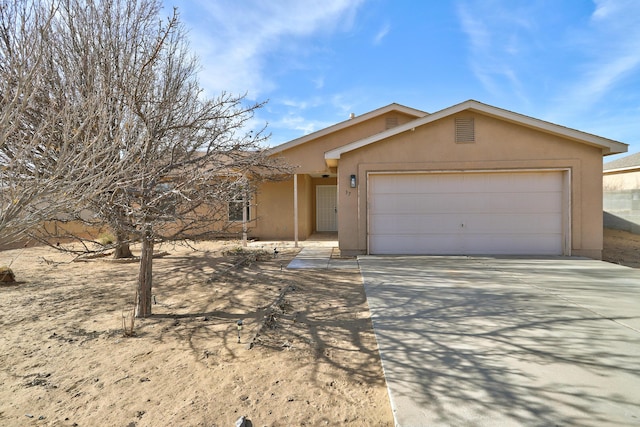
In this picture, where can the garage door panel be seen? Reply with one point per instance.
(409, 203)
(467, 213)
(411, 244)
(471, 183)
(416, 224)
(526, 244)
(529, 182)
(443, 244)
(461, 223)
(512, 224)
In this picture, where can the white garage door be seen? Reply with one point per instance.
(517, 213)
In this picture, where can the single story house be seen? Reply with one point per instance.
(468, 179)
(621, 187)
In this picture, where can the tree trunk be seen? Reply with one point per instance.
(143, 294)
(122, 248)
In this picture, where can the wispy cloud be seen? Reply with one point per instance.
(475, 28)
(610, 45)
(318, 82)
(292, 118)
(233, 39)
(300, 124)
(497, 34)
(381, 34)
(515, 52)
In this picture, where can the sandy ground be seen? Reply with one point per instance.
(621, 247)
(65, 362)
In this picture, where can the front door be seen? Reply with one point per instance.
(326, 208)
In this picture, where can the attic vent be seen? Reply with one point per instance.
(391, 122)
(465, 130)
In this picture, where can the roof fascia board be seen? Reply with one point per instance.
(608, 146)
(621, 170)
(345, 124)
(335, 153)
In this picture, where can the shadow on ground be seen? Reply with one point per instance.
(478, 343)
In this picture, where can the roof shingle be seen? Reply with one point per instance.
(630, 161)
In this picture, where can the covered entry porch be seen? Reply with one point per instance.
(315, 206)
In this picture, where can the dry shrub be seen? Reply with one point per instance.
(128, 322)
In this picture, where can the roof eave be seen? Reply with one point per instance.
(346, 123)
(607, 146)
(621, 170)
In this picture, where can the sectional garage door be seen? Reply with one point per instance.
(516, 213)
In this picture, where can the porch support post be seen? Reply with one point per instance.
(295, 208)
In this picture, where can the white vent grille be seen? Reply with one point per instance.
(391, 122)
(465, 130)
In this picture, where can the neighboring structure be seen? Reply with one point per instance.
(621, 186)
(469, 179)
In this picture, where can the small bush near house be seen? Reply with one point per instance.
(106, 239)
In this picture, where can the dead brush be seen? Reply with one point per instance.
(247, 257)
(128, 322)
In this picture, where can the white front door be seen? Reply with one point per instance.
(326, 208)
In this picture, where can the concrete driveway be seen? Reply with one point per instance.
(481, 341)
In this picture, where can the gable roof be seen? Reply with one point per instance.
(608, 146)
(626, 163)
(349, 122)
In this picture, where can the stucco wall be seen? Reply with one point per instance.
(309, 157)
(499, 146)
(622, 201)
(275, 211)
(274, 201)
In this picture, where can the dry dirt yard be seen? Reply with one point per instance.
(65, 362)
(621, 247)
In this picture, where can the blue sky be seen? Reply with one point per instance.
(572, 62)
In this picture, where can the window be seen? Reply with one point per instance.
(235, 208)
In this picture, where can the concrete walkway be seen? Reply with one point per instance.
(320, 257)
(487, 341)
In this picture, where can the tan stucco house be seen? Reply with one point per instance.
(621, 186)
(469, 179)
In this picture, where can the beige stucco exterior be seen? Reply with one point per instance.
(274, 204)
(621, 180)
(621, 187)
(397, 139)
(418, 142)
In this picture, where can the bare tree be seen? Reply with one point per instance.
(176, 157)
(195, 154)
(50, 148)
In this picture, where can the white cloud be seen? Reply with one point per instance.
(293, 118)
(495, 31)
(475, 28)
(611, 47)
(377, 39)
(318, 82)
(299, 123)
(233, 39)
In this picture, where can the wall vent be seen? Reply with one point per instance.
(465, 130)
(391, 122)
